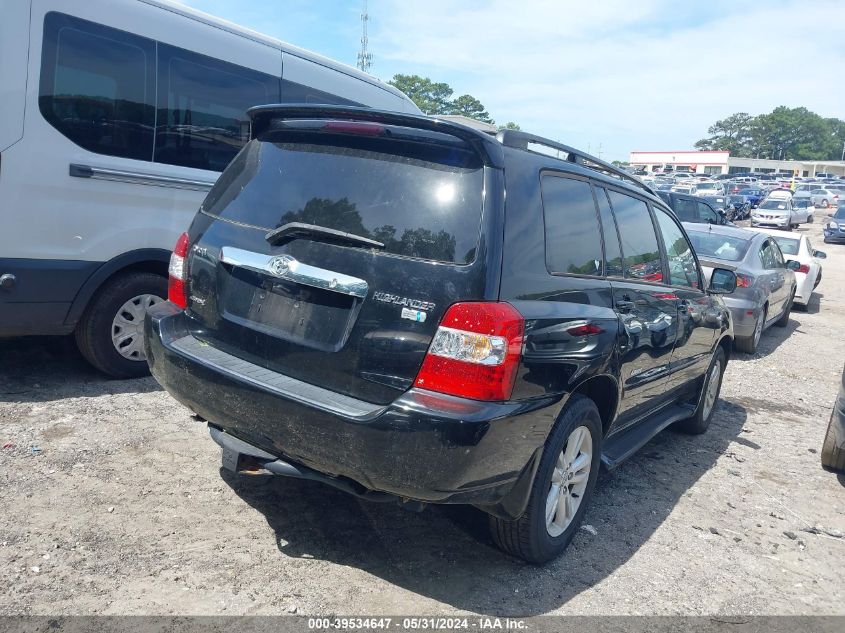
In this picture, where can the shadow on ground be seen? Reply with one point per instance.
(45, 368)
(445, 553)
(773, 337)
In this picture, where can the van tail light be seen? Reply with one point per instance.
(177, 273)
(744, 281)
(804, 268)
(475, 352)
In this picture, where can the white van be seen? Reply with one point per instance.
(116, 117)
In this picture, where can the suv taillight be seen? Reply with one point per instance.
(177, 273)
(475, 352)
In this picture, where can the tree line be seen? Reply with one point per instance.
(783, 134)
(436, 98)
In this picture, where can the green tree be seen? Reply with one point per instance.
(430, 97)
(731, 134)
(469, 106)
(510, 125)
(783, 134)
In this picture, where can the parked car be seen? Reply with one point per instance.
(719, 203)
(538, 351)
(740, 207)
(799, 247)
(775, 214)
(824, 198)
(684, 176)
(803, 207)
(688, 187)
(765, 287)
(833, 448)
(779, 194)
(692, 209)
(117, 119)
(834, 229)
(754, 195)
(710, 188)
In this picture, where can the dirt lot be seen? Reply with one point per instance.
(113, 502)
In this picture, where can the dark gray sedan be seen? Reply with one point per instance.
(765, 288)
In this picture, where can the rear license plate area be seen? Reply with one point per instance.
(284, 309)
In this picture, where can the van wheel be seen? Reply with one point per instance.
(562, 487)
(710, 389)
(110, 334)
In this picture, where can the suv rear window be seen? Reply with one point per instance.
(421, 199)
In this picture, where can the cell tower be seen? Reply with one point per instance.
(365, 58)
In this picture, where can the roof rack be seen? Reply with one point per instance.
(520, 140)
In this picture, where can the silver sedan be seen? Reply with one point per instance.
(765, 288)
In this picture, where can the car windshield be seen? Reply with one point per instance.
(708, 244)
(840, 214)
(778, 205)
(788, 245)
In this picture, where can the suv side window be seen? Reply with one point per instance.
(686, 210)
(639, 241)
(706, 214)
(612, 249)
(573, 243)
(682, 268)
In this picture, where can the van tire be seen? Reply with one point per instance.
(94, 330)
(528, 537)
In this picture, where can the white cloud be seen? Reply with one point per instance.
(648, 74)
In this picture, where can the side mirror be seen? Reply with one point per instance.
(820, 254)
(791, 264)
(722, 281)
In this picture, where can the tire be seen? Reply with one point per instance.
(529, 537)
(818, 280)
(711, 387)
(833, 456)
(96, 327)
(748, 344)
(783, 321)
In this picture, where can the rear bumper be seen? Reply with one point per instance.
(424, 446)
(743, 322)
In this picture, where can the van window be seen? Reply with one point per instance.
(202, 119)
(293, 92)
(573, 242)
(98, 85)
(612, 250)
(639, 241)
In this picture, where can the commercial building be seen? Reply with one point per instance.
(717, 162)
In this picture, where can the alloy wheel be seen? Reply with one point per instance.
(569, 481)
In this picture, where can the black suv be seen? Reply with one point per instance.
(694, 209)
(412, 310)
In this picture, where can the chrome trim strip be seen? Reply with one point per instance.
(286, 267)
(138, 178)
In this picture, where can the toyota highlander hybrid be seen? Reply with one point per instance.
(358, 302)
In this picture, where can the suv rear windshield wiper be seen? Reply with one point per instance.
(293, 230)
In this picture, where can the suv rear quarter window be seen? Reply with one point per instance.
(573, 242)
(639, 241)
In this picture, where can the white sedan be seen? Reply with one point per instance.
(799, 248)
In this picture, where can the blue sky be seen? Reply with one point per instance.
(615, 75)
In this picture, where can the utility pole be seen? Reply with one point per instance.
(843, 151)
(365, 58)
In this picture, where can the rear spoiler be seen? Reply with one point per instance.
(487, 147)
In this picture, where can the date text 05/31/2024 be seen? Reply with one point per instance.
(416, 623)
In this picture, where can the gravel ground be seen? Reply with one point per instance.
(113, 502)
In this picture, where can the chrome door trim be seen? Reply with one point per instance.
(138, 177)
(288, 268)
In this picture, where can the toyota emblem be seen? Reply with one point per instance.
(281, 265)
